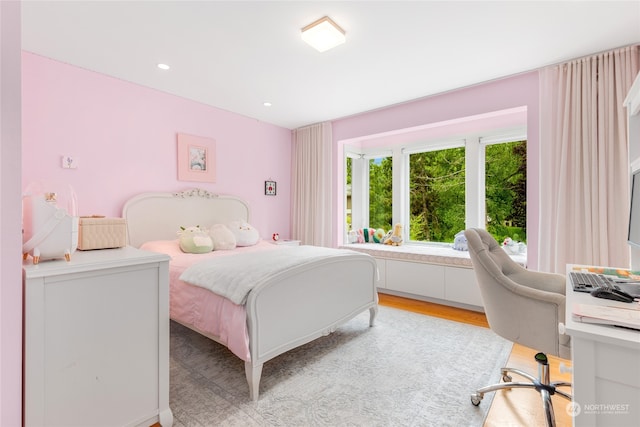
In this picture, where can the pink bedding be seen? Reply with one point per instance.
(200, 308)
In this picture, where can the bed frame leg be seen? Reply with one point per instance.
(373, 312)
(253, 374)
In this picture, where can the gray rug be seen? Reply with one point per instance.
(408, 370)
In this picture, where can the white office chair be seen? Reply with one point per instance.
(522, 306)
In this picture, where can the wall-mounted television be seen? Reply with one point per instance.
(634, 211)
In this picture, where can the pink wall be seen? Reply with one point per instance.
(11, 241)
(124, 138)
(508, 93)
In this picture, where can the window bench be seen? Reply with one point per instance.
(435, 273)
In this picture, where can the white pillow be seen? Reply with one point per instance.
(244, 233)
(223, 238)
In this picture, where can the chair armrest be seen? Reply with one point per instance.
(549, 282)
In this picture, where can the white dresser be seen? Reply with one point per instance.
(96, 344)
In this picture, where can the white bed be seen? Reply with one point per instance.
(282, 313)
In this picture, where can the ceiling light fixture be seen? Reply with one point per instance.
(323, 34)
(163, 66)
(267, 104)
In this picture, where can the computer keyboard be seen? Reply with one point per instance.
(586, 282)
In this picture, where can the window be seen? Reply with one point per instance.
(506, 190)
(380, 193)
(436, 194)
(369, 191)
(438, 189)
(348, 203)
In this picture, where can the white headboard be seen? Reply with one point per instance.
(159, 216)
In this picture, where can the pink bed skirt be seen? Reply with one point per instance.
(200, 308)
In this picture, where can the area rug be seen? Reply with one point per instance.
(407, 370)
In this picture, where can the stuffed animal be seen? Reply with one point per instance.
(245, 234)
(512, 247)
(396, 237)
(223, 238)
(194, 240)
(378, 235)
(460, 242)
(367, 233)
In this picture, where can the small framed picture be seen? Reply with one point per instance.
(270, 188)
(196, 158)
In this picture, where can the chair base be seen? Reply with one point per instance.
(541, 384)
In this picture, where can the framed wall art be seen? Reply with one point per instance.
(196, 158)
(270, 188)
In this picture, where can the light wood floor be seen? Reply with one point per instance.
(515, 408)
(518, 407)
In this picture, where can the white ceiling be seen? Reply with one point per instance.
(236, 55)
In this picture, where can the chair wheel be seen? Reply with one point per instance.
(476, 399)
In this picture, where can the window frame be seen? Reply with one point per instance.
(475, 185)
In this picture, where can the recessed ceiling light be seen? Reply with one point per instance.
(163, 66)
(267, 104)
(323, 34)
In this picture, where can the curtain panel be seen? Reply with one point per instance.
(311, 204)
(584, 166)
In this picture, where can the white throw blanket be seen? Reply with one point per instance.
(233, 277)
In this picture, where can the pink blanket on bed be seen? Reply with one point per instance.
(200, 308)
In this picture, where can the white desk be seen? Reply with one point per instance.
(606, 368)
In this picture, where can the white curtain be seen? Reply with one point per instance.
(311, 185)
(584, 167)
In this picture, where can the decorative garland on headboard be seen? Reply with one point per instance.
(196, 192)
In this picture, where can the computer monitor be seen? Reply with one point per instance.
(634, 211)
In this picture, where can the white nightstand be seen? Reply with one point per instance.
(286, 242)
